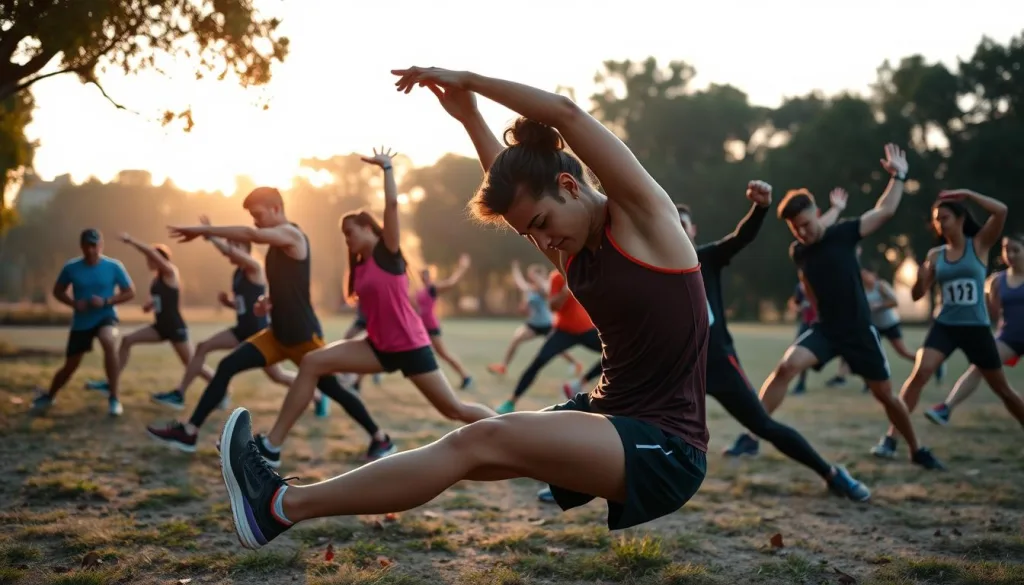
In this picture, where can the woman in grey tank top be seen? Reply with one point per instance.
(538, 316)
(1004, 293)
(959, 267)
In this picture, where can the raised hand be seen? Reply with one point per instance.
(459, 103)
(760, 193)
(838, 198)
(464, 261)
(204, 220)
(409, 78)
(895, 161)
(124, 237)
(955, 194)
(184, 234)
(382, 159)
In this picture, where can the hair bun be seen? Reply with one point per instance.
(534, 135)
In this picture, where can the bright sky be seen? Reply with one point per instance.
(334, 93)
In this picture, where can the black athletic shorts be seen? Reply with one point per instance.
(662, 471)
(861, 349)
(541, 330)
(892, 333)
(411, 363)
(434, 332)
(976, 341)
(80, 341)
(173, 333)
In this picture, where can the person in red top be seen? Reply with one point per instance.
(571, 327)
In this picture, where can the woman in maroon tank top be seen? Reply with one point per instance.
(639, 439)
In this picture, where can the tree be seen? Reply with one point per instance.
(16, 150)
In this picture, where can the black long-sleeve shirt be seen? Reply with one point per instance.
(715, 256)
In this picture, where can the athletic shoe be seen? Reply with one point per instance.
(744, 445)
(98, 385)
(174, 435)
(571, 389)
(251, 482)
(497, 369)
(885, 449)
(939, 414)
(322, 406)
(467, 383)
(836, 382)
(41, 403)
(843, 484)
(546, 496)
(114, 407)
(380, 449)
(506, 407)
(273, 458)
(925, 459)
(172, 399)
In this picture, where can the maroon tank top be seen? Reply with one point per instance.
(654, 328)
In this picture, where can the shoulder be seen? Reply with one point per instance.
(934, 253)
(844, 228)
(393, 262)
(997, 277)
(73, 264)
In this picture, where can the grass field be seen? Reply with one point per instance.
(88, 499)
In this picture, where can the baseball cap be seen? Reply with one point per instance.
(90, 236)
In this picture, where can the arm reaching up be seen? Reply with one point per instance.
(452, 280)
(838, 197)
(392, 233)
(895, 163)
(992, 229)
(163, 265)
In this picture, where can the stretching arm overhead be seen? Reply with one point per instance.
(722, 251)
(895, 162)
(163, 265)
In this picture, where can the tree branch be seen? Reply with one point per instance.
(10, 89)
(95, 82)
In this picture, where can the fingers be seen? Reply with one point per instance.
(434, 88)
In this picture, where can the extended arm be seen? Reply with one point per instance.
(246, 261)
(895, 162)
(282, 236)
(990, 232)
(519, 279)
(745, 233)
(454, 278)
(163, 265)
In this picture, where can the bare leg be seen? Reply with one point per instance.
(928, 361)
(522, 333)
(896, 411)
(442, 351)
(438, 391)
(901, 348)
(108, 338)
(223, 340)
(279, 375)
(185, 354)
(796, 360)
(997, 381)
(970, 379)
(590, 459)
(61, 376)
(147, 334)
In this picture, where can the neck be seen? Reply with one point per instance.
(598, 206)
(1014, 271)
(956, 240)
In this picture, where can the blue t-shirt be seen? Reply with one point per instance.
(88, 281)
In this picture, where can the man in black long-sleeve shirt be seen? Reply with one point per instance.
(726, 381)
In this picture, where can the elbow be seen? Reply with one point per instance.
(566, 112)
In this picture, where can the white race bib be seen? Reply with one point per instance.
(960, 292)
(157, 307)
(240, 304)
(711, 315)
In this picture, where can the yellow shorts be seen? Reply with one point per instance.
(274, 351)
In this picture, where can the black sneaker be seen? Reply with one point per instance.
(925, 459)
(380, 449)
(172, 399)
(252, 484)
(843, 484)
(272, 459)
(173, 434)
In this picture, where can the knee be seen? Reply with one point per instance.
(480, 441)
(108, 346)
(202, 348)
(316, 363)
(787, 369)
(882, 391)
(454, 411)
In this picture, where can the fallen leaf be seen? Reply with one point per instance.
(384, 561)
(844, 579)
(776, 540)
(538, 522)
(17, 400)
(329, 555)
(91, 559)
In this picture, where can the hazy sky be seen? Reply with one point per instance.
(334, 93)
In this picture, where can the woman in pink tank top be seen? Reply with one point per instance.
(426, 306)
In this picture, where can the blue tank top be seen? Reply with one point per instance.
(963, 288)
(1012, 299)
(538, 311)
(246, 293)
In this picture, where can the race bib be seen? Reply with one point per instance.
(711, 315)
(157, 307)
(240, 304)
(960, 292)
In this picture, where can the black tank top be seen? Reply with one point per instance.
(654, 328)
(166, 305)
(291, 315)
(246, 293)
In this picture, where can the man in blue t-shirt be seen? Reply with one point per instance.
(97, 284)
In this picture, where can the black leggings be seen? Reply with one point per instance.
(727, 383)
(558, 342)
(247, 357)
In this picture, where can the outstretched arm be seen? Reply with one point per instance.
(282, 236)
(990, 232)
(163, 265)
(454, 278)
(895, 162)
(760, 194)
(392, 233)
(838, 197)
(520, 280)
(245, 260)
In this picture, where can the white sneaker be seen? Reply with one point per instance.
(115, 407)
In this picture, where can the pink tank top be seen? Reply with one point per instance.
(426, 301)
(391, 323)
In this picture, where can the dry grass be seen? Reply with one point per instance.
(75, 483)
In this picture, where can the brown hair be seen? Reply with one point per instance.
(794, 203)
(264, 196)
(163, 251)
(361, 219)
(533, 158)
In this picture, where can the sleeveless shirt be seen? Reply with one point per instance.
(654, 330)
(1011, 328)
(292, 318)
(166, 306)
(882, 318)
(962, 284)
(246, 293)
(392, 325)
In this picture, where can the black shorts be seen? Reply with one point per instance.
(434, 332)
(892, 333)
(172, 333)
(541, 330)
(976, 341)
(80, 341)
(662, 471)
(1015, 346)
(860, 349)
(411, 363)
